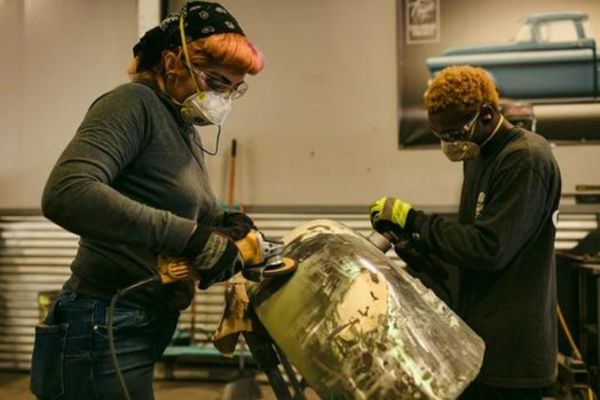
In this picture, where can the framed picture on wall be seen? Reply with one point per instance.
(422, 21)
(543, 59)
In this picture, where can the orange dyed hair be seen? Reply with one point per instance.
(229, 50)
(223, 49)
(463, 88)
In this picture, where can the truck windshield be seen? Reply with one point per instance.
(557, 31)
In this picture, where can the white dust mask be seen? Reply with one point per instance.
(206, 108)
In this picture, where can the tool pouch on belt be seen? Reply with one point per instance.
(47, 365)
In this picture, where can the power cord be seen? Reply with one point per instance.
(590, 394)
(111, 339)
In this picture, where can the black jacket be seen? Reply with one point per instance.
(503, 245)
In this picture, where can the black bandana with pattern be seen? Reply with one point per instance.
(201, 19)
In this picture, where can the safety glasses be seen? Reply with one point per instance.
(215, 84)
(454, 135)
(212, 83)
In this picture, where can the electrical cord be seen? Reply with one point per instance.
(590, 394)
(111, 339)
(567, 333)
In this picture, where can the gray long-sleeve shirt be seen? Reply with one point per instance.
(132, 183)
(503, 244)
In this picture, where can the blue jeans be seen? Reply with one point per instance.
(71, 358)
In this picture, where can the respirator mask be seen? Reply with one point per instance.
(206, 108)
(457, 145)
(203, 107)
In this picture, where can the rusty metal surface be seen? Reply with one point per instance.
(359, 327)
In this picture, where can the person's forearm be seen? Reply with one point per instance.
(214, 218)
(95, 210)
(467, 246)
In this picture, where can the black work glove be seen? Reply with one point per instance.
(392, 232)
(213, 255)
(236, 225)
(425, 266)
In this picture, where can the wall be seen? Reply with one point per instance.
(58, 56)
(319, 125)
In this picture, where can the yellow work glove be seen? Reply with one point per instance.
(388, 211)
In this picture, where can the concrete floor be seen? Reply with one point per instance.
(16, 387)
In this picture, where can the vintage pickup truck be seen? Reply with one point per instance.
(552, 58)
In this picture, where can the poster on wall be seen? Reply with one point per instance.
(422, 21)
(543, 57)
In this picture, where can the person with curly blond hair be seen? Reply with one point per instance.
(503, 241)
(133, 184)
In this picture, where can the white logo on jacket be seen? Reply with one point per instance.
(480, 204)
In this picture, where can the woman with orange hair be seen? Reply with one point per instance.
(133, 184)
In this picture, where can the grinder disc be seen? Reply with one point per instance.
(285, 266)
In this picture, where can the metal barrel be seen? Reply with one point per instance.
(357, 326)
